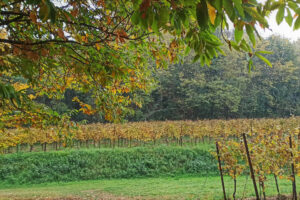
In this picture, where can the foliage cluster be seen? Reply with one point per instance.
(103, 47)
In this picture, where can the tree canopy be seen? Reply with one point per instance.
(226, 89)
(105, 47)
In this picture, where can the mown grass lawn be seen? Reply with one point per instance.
(185, 187)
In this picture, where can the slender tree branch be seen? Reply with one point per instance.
(13, 13)
(36, 43)
(6, 22)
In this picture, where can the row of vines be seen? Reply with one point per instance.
(141, 133)
(132, 134)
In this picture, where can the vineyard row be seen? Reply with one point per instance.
(143, 133)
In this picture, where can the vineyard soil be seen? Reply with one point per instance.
(179, 187)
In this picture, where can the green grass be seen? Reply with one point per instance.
(170, 165)
(184, 187)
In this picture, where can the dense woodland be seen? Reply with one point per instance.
(226, 89)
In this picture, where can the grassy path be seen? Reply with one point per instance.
(144, 188)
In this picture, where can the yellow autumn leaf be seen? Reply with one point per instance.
(31, 96)
(84, 39)
(3, 34)
(89, 107)
(120, 100)
(126, 90)
(20, 86)
(98, 47)
(76, 99)
(211, 13)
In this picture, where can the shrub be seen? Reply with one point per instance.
(105, 163)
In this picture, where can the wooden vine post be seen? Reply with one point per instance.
(221, 171)
(251, 167)
(277, 186)
(293, 170)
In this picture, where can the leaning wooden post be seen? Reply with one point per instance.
(293, 170)
(221, 171)
(251, 167)
(277, 186)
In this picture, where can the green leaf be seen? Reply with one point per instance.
(202, 15)
(250, 65)
(238, 35)
(207, 59)
(52, 11)
(33, 2)
(177, 23)
(297, 11)
(297, 23)
(217, 4)
(187, 50)
(184, 19)
(196, 58)
(235, 46)
(150, 18)
(265, 52)
(245, 46)
(263, 59)
(135, 18)
(163, 16)
(250, 32)
(275, 5)
(220, 51)
(155, 26)
(238, 6)
(292, 5)
(289, 18)
(256, 16)
(228, 6)
(211, 52)
(248, 17)
(280, 14)
(44, 11)
(202, 60)
(218, 20)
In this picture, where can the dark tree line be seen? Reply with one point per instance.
(227, 89)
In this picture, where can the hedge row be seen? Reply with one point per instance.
(104, 163)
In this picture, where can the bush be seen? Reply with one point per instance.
(105, 163)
